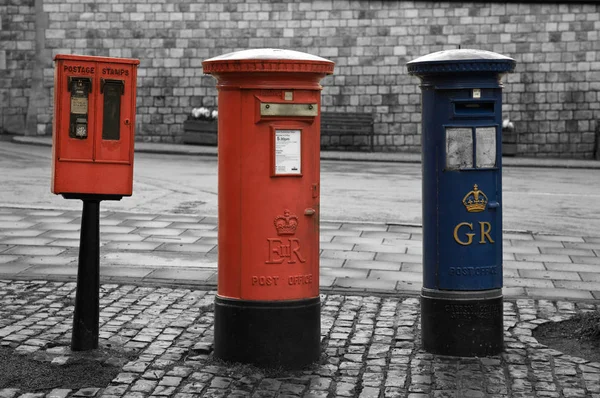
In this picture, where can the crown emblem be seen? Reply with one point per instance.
(286, 224)
(475, 201)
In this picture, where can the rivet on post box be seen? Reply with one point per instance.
(92, 160)
(267, 309)
(461, 299)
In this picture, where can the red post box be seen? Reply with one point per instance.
(93, 127)
(267, 310)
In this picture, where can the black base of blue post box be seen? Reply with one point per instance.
(268, 334)
(466, 324)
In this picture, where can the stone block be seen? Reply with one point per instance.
(14, 123)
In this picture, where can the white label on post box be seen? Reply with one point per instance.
(459, 148)
(485, 138)
(476, 93)
(287, 152)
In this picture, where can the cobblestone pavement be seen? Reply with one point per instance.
(370, 348)
(159, 274)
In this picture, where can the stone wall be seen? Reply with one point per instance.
(553, 98)
(17, 55)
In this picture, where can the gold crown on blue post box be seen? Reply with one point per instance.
(475, 201)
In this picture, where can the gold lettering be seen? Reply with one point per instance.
(470, 236)
(485, 232)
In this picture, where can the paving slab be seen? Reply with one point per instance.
(135, 246)
(61, 234)
(13, 269)
(347, 255)
(526, 282)
(16, 224)
(7, 259)
(332, 262)
(399, 257)
(556, 293)
(336, 246)
(554, 258)
(558, 238)
(396, 276)
(536, 243)
(198, 247)
(523, 249)
(345, 273)
(47, 260)
(49, 270)
(362, 284)
(372, 265)
(19, 235)
(35, 250)
(586, 259)
(130, 272)
(72, 243)
(590, 276)
(175, 275)
(550, 275)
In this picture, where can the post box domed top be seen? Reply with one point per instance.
(461, 61)
(268, 60)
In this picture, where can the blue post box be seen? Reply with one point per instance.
(461, 299)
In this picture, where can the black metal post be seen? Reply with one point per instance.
(86, 318)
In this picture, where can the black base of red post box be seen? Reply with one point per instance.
(268, 333)
(466, 324)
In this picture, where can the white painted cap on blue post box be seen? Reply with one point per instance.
(461, 60)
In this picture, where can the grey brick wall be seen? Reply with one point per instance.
(17, 51)
(553, 98)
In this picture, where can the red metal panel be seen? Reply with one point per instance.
(230, 174)
(91, 164)
(117, 150)
(73, 148)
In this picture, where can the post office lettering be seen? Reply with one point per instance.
(300, 279)
(472, 271)
(265, 280)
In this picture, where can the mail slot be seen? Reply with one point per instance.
(93, 126)
(461, 299)
(474, 109)
(267, 309)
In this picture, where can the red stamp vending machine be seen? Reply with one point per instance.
(92, 160)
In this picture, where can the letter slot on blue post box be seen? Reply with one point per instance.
(461, 299)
